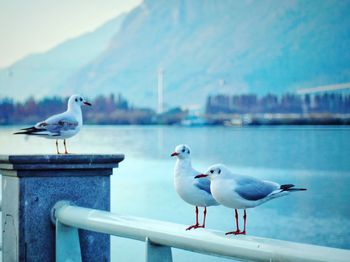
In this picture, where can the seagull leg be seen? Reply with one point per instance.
(245, 222)
(58, 152)
(65, 146)
(205, 216)
(236, 216)
(197, 224)
(237, 232)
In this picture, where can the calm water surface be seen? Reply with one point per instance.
(313, 157)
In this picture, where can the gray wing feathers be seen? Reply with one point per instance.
(203, 184)
(56, 125)
(253, 189)
(62, 125)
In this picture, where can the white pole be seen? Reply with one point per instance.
(160, 90)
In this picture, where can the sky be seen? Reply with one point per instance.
(35, 26)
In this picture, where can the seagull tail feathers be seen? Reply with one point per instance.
(290, 187)
(29, 128)
(28, 131)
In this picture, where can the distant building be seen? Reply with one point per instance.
(286, 104)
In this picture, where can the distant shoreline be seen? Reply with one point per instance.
(234, 122)
(220, 110)
(280, 119)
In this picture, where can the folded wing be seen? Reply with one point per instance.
(254, 189)
(203, 184)
(52, 126)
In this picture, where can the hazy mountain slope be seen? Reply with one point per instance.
(222, 46)
(44, 74)
(204, 46)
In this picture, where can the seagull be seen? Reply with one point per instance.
(193, 191)
(61, 126)
(242, 192)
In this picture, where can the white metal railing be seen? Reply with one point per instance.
(0, 219)
(161, 236)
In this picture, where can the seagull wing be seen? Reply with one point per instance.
(203, 184)
(252, 189)
(53, 126)
(56, 124)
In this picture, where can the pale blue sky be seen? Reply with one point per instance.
(35, 26)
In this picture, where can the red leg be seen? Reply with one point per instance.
(237, 232)
(236, 216)
(205, 216)
(65, 146)
(245, 222)
(197, 224)
(58, 152)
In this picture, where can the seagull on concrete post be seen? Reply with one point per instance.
(196, 192)
(242, 192)
(61, 126)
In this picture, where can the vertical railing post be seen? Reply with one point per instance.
(32, 184)
(67, 243)
(157, 253)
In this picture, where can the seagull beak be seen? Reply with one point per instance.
(87, 103)
(174, 154)
(201, 175)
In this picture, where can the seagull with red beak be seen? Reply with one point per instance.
(242, 192)
(195, 192)
(61, 126)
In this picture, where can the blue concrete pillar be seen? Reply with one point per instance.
(32, 184)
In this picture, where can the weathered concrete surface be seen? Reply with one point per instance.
(59, 165)
(32, 184)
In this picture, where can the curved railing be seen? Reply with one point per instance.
(161, 236)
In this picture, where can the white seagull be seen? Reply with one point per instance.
(196, 192)
(61, 126)
(242, 192)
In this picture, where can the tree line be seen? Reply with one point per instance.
(113, 109)
(105, 110)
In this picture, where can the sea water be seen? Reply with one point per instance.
(313, 157)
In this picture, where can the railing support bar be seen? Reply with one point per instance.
(157, 253)
(67, 243)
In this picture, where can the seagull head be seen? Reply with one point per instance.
(77, 101)
(214, 171)
(182, 151)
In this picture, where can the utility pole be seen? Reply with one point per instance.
(160, 90)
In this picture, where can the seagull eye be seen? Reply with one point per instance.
(219, 171)
(81, 99)
(183, 150)
(188, 151)
(76, 100)
(212, 171)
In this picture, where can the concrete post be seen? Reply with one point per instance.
(32, 184)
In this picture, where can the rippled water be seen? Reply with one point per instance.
(312, 157)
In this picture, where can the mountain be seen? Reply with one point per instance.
(207, 47)
(45, 74)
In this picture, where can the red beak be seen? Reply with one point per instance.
(174, 154)
(87, 103)
(201, 175)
